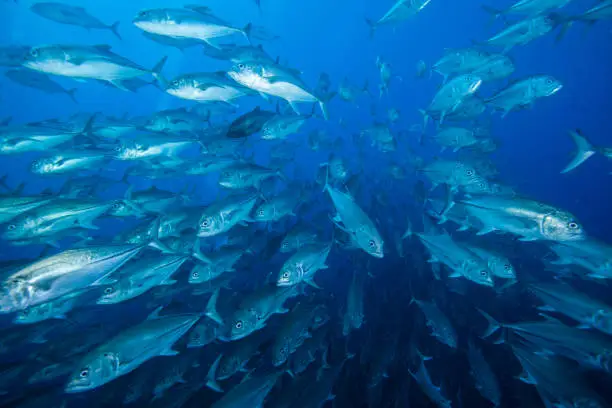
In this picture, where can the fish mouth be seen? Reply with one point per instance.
(76, 386)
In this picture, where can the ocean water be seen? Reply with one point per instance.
(376, 362)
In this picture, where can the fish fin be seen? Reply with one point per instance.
(169, 352)
(211, 308)
(70, 93)
(157, 71)
(584, 150)
(114, 29)
(312, 283)
(211, 377)
(372, 26)
(494, 325)
(118, 84)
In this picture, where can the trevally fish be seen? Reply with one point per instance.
(304, 264)
(525, 31)
(206, 87)
(401, 10)
(255, 309)
(129, 349)
(276, 80)
(87, 62)
(353, 220)
(71, 15)
(191, 22)
(37, 80)
(251, 392)
(484, 377)
(354, 313)
(522, 94)
(451, 95)
(70, 162)
(527, 7)
(223, 215)
(58, 275)
(441, 328)
(434, 393)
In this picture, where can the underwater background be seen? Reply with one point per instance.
(396, 329)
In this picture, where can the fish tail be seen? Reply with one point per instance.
(565, 26)
(584, 150)
(114, 28)
(211, 377)
(157, 71)
(494, 325)
(70, 93)
(323, 107)
(247, 31)
(211, 308)
(372, 26)
(495, 13)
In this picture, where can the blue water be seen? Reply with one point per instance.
(332, 37)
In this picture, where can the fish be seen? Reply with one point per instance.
(441, 327)
(87, 62)
(72, 15)
(584, 150)
(434, 393)
(276, 80)
(129, 349)
(523, 93)
(401, 10)
(205, 87)
(61, 274)
(192, 22)
(524, 31)
(36, 80)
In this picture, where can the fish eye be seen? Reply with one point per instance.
(195, 275)
(34, 52)
(108, 290)
(11, 227)
(572, 225)
(507, 267)
(469, 172)
(205, 223)
(483, 273)
(261, 213)
(84, 373)
(116, 206)
(241, 66)
(117, 148)
(142, 13)
(238, 324)
(371, 243)
(286, 275)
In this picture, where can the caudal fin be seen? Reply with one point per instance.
(584, 150)
(211, 377)
(494, 325)
(211, 308)
(157, 71)
(372, 26)
(70, 93)
(115, 29)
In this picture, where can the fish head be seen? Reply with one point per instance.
(602, 320)
(45, 165)
(478, 185)
(263, 212)
(199, 274)
(122, 209)
(41, 56)
(371, 242)
(210, 225)
(146, 19)
(111, 294)
(247, 73)
(33, 314)
(546, 85)
(290, 274)
(503, 268)
(280, 354)
(478, 272)
(230, 178)
(95, 371)
(469, 83)
(562, 226)
(20, 227)
(228, 366)
(179, 85)
(243, 324)
(285, 245)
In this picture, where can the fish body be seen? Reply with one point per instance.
(71, 15)
(522, 94)
(206, 87)
(37, 80)
(129, 349)
(438, 323)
